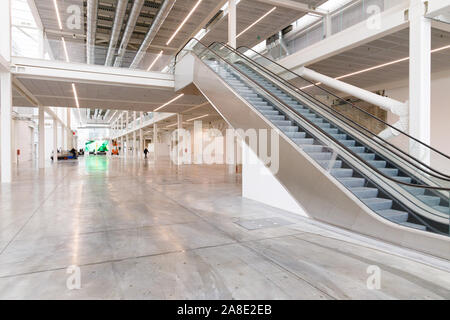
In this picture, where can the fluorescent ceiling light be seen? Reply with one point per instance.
(75, 95)
(184, 21)
(260, 18)
(57, 14)
(157, 57)
(65, 49)
(203, 116)
(169, 102)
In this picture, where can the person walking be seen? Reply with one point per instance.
(145, 152)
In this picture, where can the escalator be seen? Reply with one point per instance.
(393, 195)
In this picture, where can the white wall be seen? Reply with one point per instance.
(23, 140)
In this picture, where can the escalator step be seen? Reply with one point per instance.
(338, 136)
(377, 204)
(378, 164)
(367, 156)
(289, 128)
(351, 145)
(403, 179)
(321, 155)
(353, 182)
(430, 200)
(389, 171)
(312, 148)
(364, 193)
(324, 125)
(331, 130)
(282, 123)
(295, 134)
(275, 117)
(308, 141)
(394, 215)
(327, 164)
(342, 173)
(414, 191)
(271, 113)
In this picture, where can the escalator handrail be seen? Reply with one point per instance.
(293, 87)
(314, 125)
(336, 96)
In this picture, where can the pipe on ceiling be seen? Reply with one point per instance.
(131, 24)
(152, 31)
(118, 18)
(92, 8)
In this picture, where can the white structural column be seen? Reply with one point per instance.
(63, 134)
(121, 134)
(5, 93)
(179, 148)
(41, 133)
(232, 23)
(141, 135)
(6, 126)
(69, 133)
(126, 132)
(134, 135)
(155, 140)
(55, 140)
(419, 79)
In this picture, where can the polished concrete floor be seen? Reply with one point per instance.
(140, 230)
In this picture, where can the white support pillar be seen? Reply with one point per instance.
(232, 23)
(126, 130)
(69, 133)
(327, 25)
(5, 94)
(55, 141)
(63, 136)
(155, 140)
(141, 135)
(134, 135)
(419, 79)
(41, 132)
(6, 126)
(179, 148)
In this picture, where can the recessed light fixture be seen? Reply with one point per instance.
(169, 102)
(184, 21)
(154, 61)
(258, 20)
(57, 14)
(203, 116)
(75, 95)
(65, 49)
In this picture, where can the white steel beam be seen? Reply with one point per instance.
(293, 5)
(72, 72)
